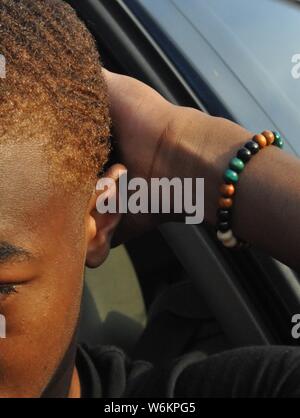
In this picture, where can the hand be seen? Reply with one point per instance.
(140, 119)
(142, 124)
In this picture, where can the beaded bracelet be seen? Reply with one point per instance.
(231, 178)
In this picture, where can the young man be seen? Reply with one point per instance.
(54, 129)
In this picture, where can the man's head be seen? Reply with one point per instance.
(54, 130)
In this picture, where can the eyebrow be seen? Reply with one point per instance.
(12, 253)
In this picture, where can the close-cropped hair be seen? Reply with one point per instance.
(53, 91)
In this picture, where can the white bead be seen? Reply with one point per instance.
(230, 243)
(224, 236)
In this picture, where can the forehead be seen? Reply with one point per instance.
(22, 168)
(23, 179)
(30, 206)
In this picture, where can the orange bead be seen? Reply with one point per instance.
(225, 202)
(269, 137)
(261, 140)
(227, 190)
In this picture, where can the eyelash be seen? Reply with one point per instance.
(6, 290)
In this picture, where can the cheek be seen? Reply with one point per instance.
(41, 319)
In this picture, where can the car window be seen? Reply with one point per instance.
(246, 42)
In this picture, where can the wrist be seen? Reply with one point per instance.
(224, 138)
(197, 145)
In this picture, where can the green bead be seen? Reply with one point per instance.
(236, 164)
(231, 176)
(278, 140)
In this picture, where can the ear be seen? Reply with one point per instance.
(101, 226)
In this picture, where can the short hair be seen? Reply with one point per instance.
(54, 89)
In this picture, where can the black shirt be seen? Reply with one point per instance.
(106, 372)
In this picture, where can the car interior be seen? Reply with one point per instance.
(175, 289)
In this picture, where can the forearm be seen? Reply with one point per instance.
(157, 139)
(266, 209)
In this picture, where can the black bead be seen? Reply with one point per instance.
(223, 226)
(224, 215)
(253, 147)
(244, 154)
